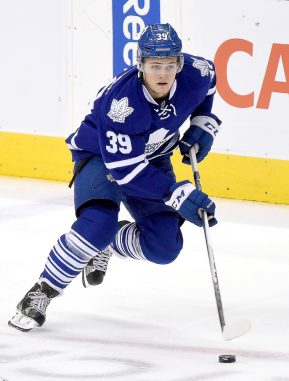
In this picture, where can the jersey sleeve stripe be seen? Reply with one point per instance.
(212, 90)
(71, 147)
(72, 142)
(126, 162)
(132, 174)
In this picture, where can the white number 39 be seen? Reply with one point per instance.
(118, 142)
(161, 36)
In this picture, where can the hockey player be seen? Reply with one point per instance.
(122, 154)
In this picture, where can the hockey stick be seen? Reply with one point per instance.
(240, 327)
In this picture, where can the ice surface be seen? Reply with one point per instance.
(147, 322)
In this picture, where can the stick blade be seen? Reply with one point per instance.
(237, 329)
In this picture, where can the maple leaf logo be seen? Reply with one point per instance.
(119, 110)
(204, 67)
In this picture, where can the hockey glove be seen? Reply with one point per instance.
(202, 131)
(189, 201)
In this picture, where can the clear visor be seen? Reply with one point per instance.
(160, 68)
(156, 66)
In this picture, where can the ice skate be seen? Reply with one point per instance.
(95, 270)
(31, 310)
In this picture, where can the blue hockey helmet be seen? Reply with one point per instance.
(159, 40)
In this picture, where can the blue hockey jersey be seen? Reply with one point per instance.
(128, 128)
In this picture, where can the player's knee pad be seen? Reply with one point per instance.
(98, 224)
(164, 254)
(161, 238)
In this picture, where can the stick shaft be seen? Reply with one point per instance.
(209, 245)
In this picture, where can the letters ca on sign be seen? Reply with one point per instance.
(279, 56)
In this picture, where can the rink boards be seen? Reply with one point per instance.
(230, 176)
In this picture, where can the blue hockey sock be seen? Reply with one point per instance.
(127, 242)
(67, 258)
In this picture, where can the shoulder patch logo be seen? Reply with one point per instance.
(119, 110)
(204, 67)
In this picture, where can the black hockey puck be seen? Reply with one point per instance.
(227, 358)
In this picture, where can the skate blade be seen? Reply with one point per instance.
(237, 329)
(84, 280)
(22, 322)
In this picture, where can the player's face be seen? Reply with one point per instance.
(159, 75)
